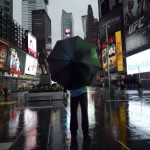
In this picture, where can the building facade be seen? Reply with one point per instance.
(135, 36)
(92, 33)
(105, 6)
(41, 28)
(84, 24)
(27, 7)
(7, 7)
(11, 31)
(14, 56)
(67, 25)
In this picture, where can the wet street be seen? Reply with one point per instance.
(118, 123)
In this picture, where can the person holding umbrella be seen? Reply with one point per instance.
(73, 63)
(79, 96)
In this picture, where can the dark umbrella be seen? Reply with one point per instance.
(73, 62)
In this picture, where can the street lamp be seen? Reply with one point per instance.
(107, 57)
(139, 74)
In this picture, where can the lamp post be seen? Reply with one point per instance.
(107, 56)
(139, 74)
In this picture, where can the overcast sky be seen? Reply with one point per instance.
(78, 8)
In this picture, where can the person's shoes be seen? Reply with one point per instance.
(74, 143)
(73, 139)
(87, 138)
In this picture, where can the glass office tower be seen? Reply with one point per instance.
(27, 7)
(66, 25)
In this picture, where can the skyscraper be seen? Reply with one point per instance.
(84, 24)
(91, 27)
(7, 6)
(41, 28)
(66, 25)
(27, 7)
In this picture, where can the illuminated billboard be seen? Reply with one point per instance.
(112, 61)
(49, 45)
(119, 56)
(31, 65)
(136, 23)
(3, 55)
(32, 44)
(15, 62)
(138, 63)
(115, 53)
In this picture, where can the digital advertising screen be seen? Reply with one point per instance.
(138, 63)
(31, 65)
(49, 45)
(3, 55)
(112, 61)
(32, 44)
(114, 51)
(15, 62)
(136, 23)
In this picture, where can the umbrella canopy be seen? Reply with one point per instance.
(73, 62)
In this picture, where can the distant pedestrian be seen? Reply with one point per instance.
(1, 91)
(117, 85)
(6, 92)
(122, 86)
(140, 89)
(79, 96)
(123, 90)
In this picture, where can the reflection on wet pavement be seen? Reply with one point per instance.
(115, 124)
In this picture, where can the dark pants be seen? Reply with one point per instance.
(5, 94)
(82, 99)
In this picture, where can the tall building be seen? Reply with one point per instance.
(7, 6)
(92, 33)
(84, 24)
(66, 25)
(27, 7)
(10, 30)
(41, 28)
(92, 23)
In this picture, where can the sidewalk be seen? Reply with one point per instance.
(114, 125)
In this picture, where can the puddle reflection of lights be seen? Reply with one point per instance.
(53, 116)
(89, 94)
(139, 115)
(30, 119)
(67, 124)
(90, 107)
(13, 123)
